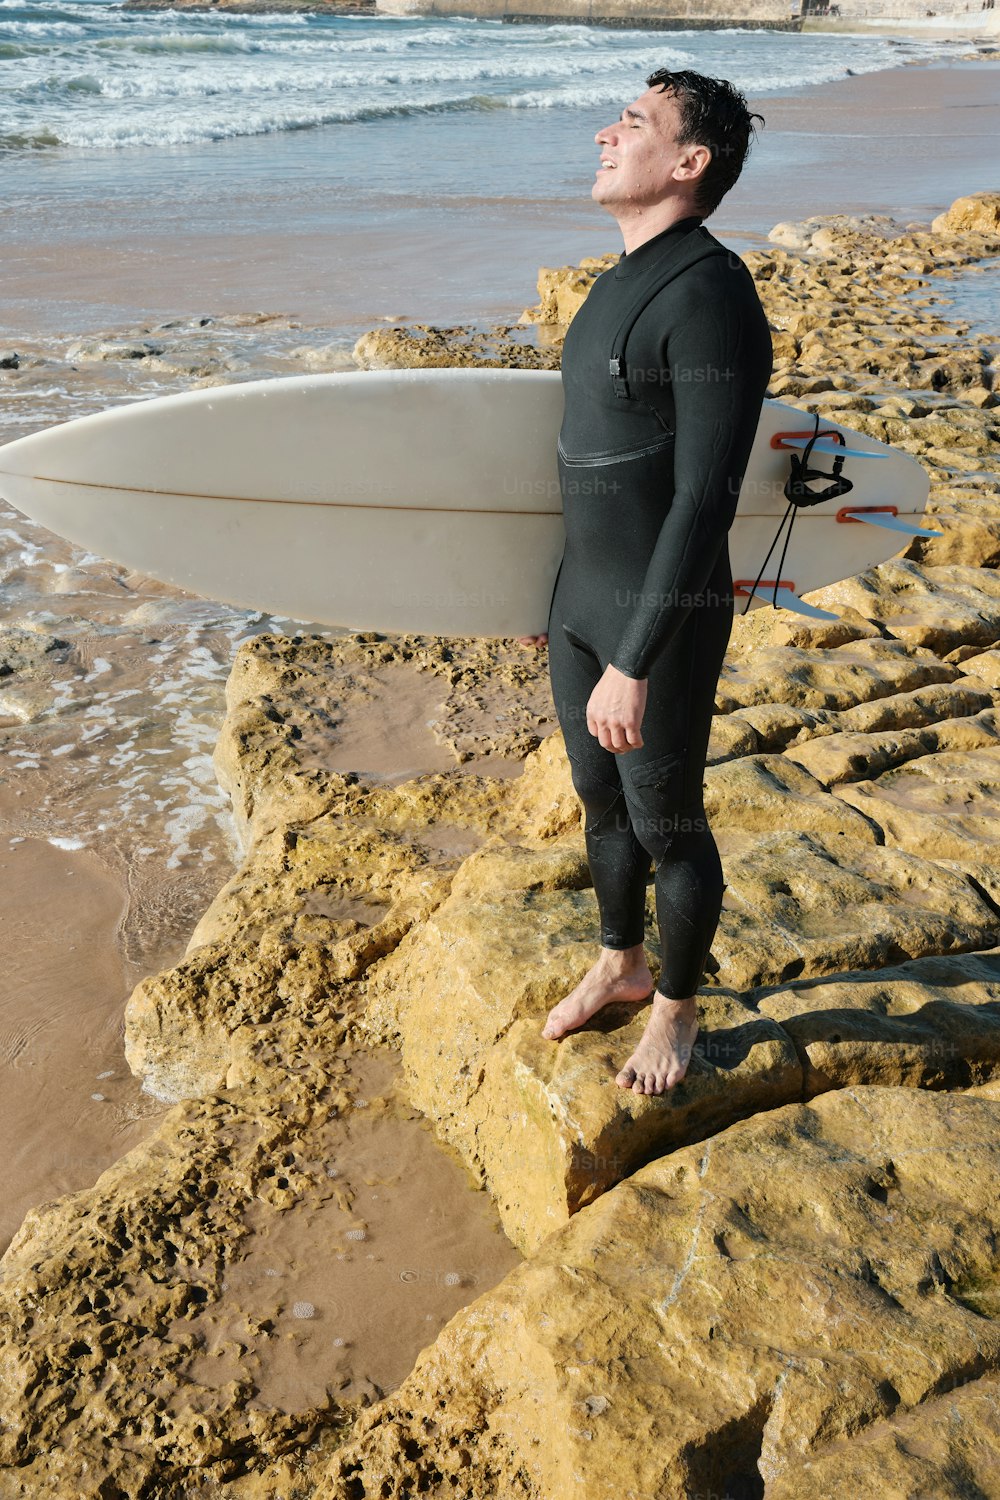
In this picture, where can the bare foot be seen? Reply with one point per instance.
(664, 1051)
(619, 974)
(532, 640)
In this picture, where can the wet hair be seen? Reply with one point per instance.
(714, 114)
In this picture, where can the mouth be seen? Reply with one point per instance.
(606, 165)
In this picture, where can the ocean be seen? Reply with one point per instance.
(347, 168)
(92, 77)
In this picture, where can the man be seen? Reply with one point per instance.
(664, 371)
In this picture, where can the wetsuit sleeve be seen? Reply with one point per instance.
(716, 360)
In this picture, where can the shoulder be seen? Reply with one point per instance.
(717, 293)
(721, 271)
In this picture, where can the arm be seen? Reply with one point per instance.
(718, 360)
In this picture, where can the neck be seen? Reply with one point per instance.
(641, 224)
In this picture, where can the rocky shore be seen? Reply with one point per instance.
(782, 1278)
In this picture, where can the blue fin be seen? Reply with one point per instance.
(832, 450)
(892, 523)
(788, 599)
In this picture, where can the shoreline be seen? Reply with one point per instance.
(481, 252)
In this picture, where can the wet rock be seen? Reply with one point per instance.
(109, 349)
(95, 1283)
(423, 346)
(25, 647)
(978, 212)
(698, 1326)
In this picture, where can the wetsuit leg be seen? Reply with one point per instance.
(647, 805)
(619, 864)
(663, 783)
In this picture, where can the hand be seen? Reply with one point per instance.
(533, 640)
(615, 710)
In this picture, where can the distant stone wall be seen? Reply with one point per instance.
(656, 14)
(891, 10)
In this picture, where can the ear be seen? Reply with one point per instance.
(693, 163)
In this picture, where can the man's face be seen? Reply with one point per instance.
(641, 162)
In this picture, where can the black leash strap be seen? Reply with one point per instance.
(797, 492)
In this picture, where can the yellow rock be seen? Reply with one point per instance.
(758, 793)
(563, 290)
(845, 757)
(799, 904)
(835, 678)
(937, 607)
(979, 212)
(774, 1304)
(732, 1313)
(929, 1023)
(944, 806)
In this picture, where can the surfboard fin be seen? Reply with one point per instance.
(787, 599)
(892, 523)
(834, 450)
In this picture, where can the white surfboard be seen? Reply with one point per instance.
(401, 500)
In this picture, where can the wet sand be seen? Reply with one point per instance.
(70, 1104)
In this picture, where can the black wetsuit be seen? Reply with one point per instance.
(651, 460)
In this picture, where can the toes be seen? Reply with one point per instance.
(553, 1022)
(626, 1077)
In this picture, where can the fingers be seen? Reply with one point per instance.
(615, 711)
(615, 736)
(532, 640)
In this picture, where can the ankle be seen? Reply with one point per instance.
(619, 961)
(687, 1001)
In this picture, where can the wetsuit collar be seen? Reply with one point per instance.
(646, 253)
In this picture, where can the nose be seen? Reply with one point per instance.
(604, 136)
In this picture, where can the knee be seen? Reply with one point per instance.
(667, 808)
(598, 793)
(670, 832)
